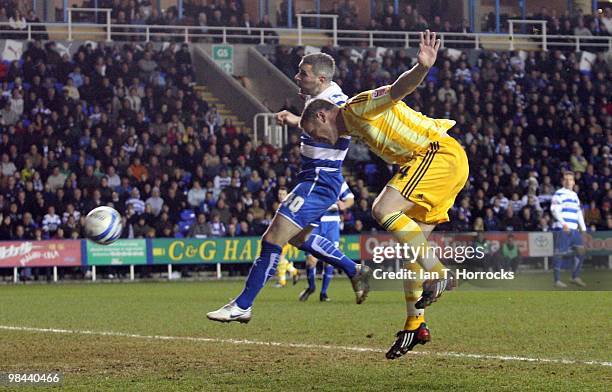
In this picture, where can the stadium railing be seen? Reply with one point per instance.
(256, 35)
(535, 248)
(266, 130)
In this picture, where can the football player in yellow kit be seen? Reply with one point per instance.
(285, 265)
(434, 168)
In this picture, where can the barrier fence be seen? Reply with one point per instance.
(233, 250)
(301, 36)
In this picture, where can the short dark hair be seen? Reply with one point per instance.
(314, 107)
(322, 64)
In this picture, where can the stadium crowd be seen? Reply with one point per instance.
(125, 125)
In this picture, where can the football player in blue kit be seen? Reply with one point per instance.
(318, 186)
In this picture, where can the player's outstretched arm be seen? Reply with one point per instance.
(410, 80)
(286, 117)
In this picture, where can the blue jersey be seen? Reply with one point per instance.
(317, 156)
(320, 181)
(565, 207)
(333, 213)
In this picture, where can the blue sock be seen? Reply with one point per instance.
(577, 266)
(324, 250)
(310, 272)
(328, 273)
(263, 269)
(557, 262)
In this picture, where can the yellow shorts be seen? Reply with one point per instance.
(432, 180)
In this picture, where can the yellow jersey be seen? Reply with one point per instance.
(390, 128)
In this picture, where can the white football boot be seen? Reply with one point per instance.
(230, 312)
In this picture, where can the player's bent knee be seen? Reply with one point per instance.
(299, 238)
(380, 211)
(280, 231)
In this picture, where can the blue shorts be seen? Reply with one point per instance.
(566, 242)
(329, 230)
(309, 200)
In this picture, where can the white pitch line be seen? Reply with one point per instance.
(303, 345)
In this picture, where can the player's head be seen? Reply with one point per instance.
(569, 180)
(282, 193)
(315, 72)
(319, 120)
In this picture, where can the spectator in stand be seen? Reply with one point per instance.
(223, 211)
(51, 222)
(213, 119)
(606, 20)
(201, 228)
(7, 167)
(510, 253)
(137, 171)
(155, 201)
(222, 180)
(141, 228)
(196, 195)
(592, 216)
(18, 23)
(135, 202)
(581, 29)
(217, 227)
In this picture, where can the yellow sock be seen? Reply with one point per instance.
(292, 270)
(413, 322)
(281, 271)
(413, 288)
(406, 230)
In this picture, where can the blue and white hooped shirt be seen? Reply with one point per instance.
(565, 207)
(333, 213)
(322, 156)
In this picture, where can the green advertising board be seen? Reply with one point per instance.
(227, 250)
(223, 56)
(122, 252)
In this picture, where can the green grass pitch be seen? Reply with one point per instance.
(573, 326)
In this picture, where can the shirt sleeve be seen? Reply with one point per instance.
(345, 192)
(338, 98)
(581, 223)
(371, 104)
(556, 207)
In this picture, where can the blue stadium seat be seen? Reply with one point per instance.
(370, 171)
(188, 215)
(184, 226)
